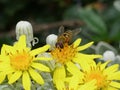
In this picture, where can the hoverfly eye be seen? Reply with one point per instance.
(59, 45)
(65, 35)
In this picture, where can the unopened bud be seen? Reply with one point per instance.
(109, 55)
(51, 40)
(25, 28)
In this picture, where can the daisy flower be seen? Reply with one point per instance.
(20, 61)
(2, 54)
(69, 54)
(106, 77)
(73, 82)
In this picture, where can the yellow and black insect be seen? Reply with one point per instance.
(65, 37)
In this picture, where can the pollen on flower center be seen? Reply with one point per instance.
(62, 55)
(98, 76)
(20, 60)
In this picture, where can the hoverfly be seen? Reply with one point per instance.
(65, 37)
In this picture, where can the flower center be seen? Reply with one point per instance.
(21, 60)
(98, 76)
(62, 55)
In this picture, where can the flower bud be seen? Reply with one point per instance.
(51, 40)
(24, 27)
(109, 55)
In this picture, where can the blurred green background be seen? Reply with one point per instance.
(98, 19)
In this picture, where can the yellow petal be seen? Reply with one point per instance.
(14, 77)
(3, 50)
(89, 86)
(59, 78)
(36, 77)
(80, 48)
(59, 73)
(2, 77)
(85, 61)
(9, 75)
(4, 58)
(74, 82)
(76, 43)
(21, 42)
(73, 69)
(8, 49)
(111, 69)
(114, 76)
(40, 67)
(110, 88)
(39, 50)
(26, 81)
(60, 85)
(87, 56)
(115, 84)
(8, 70)
(102, 66)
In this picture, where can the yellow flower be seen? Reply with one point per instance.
(59, 78)
(2, 75)
(69, 54)
(106, 77)
(88, 86)
(20, 61)
(72, 82)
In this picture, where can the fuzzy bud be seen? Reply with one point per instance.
(109, 55)
(51, 40)
(24, 27)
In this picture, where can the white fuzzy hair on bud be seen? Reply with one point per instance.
(25, 28)
(109, 55)
(51, 40)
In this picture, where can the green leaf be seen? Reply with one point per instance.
(72, 13)
(115, 31)
(93, 21)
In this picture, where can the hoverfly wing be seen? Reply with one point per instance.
(76, 31)
(61, 30)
